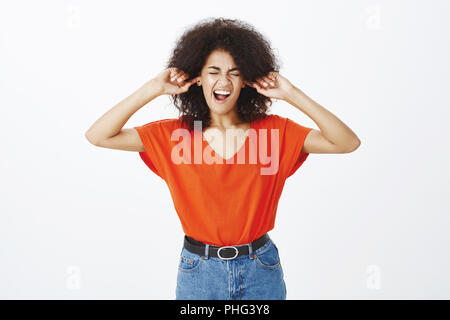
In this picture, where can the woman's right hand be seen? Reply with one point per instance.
(172, 81)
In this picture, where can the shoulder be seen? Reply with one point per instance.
(165, 124)
(280, 119)
(162, 128)
(285, 122)
(273, 121)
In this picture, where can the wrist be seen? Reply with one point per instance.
(151, 89)
(291, 93)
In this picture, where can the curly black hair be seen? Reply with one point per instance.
(251, 52)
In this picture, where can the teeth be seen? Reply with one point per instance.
(222, 92)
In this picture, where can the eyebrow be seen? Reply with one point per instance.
(217, 68)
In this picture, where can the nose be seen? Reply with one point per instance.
(224, 77)
(223, 80)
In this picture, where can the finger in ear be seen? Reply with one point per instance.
(257, 86)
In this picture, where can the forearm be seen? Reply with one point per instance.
(330, 126)
(114, 119)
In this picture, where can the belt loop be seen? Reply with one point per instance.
(206, 251)
(250, 250)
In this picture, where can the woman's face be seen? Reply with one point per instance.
(220, 73)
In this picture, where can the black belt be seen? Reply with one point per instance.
(224, 253)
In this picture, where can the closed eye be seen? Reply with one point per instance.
(218, 73)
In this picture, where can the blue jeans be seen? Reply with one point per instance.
(256, 276)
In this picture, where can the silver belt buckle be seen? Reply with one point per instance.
(218, 253)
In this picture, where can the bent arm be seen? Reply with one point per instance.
(111, 123)
(334, 135)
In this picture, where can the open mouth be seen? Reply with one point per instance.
(221, 95)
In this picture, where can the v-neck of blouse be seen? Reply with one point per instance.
(205, 142)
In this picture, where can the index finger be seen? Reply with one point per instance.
(194, 79)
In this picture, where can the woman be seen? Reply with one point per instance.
(225, 208)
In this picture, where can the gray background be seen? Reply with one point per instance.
(78, 221)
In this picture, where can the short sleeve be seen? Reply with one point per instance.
(152, 135)
(294, 136)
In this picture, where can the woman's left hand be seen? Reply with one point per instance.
(274, 85)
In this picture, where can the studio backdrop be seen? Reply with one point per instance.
(83, 222)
